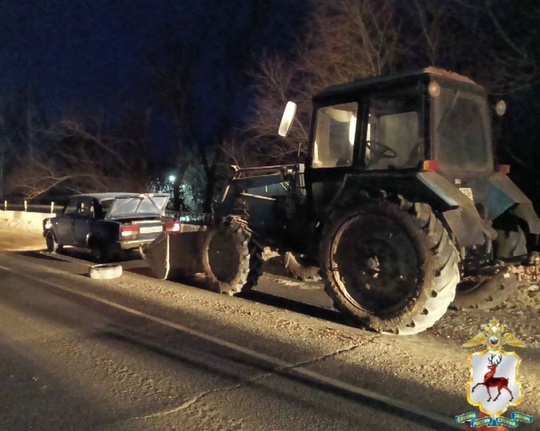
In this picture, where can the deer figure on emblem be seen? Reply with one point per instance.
(490, 381)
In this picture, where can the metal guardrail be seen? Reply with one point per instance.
(197, 218)
(30, 207)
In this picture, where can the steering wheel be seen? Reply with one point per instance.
(380, 150)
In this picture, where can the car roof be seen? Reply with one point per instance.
(113, 195)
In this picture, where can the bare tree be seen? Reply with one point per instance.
(487, 40)
(6, 145)
(516, 55)
(341, 41)
(174, 74)
(80, 156)
(424, 30)
(22, 120)
(198, 87)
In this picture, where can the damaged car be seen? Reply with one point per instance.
(109, 225)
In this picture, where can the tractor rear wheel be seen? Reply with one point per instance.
(390, 267)
(231, 259)
(484, 293)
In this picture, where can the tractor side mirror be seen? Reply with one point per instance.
(287, 119)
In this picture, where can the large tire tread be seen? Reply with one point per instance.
(485, 293)
(249, 267)
(489, 293)
(433, 299)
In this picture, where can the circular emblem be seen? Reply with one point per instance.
(493, 340)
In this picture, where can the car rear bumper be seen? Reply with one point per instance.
(129, 245)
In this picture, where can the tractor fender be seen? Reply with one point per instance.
(456, 209)
(504, 195)
(460, 213)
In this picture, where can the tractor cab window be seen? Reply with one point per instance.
(462, 130)
(334, 135)
(394, 135)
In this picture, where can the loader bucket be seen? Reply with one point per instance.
(175, 255)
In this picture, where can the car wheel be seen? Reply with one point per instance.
(132, 253)
(52, 245)
(510, 243)
(100, 252)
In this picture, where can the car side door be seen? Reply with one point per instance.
(83, 221)
(63, 225)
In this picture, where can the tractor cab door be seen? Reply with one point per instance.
(332, 153)
(376, 139)
(394, 136)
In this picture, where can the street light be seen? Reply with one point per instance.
(172, 178)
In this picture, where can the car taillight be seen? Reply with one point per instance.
(172, 226)
(430, 165)
(130, 231)
(503, 169)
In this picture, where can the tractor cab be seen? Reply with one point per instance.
(425, 135)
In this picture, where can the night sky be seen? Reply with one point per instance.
(94, 53)
(85, 52)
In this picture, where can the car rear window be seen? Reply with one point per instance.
(138, 206)
(106, 205)
(71, 208)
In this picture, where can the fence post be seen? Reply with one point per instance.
(25, 206)
(5, 205)
(52, 207)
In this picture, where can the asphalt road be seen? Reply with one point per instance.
(75, 357)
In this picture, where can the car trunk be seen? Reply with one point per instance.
(148, 229)
(142, 207)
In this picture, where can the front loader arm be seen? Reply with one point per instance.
(249, 178)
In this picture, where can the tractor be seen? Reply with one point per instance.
(399, 203)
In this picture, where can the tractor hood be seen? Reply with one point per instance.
(137, 206)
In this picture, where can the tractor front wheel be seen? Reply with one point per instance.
(231, 259)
